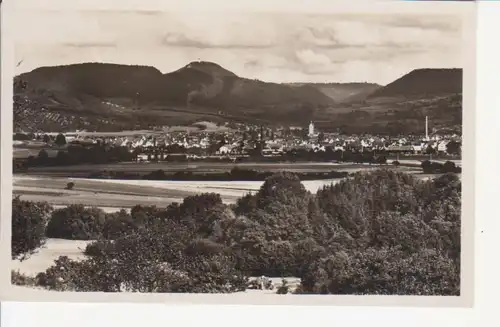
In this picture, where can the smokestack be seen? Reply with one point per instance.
(426, 127)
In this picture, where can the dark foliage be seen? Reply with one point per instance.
(76, 222)
(438, 168)
(381, 232)
(236, 174)
(60, 139)
(28, 226)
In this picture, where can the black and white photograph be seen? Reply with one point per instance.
(275, 153)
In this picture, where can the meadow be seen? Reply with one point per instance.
(127, 193)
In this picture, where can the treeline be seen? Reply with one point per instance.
(235, 174)
(76, 155)
(103, 154)
(374, 233)
(430, 167)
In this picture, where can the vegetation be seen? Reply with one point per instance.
(381, 232)
(76, 222)
(430, 167)
(236, 174)
(345, 107)
(28, 226)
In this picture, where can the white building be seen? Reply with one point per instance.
(311, 129)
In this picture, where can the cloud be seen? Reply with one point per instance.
(310, 58)
(181, 40)
(89, 44)
(269, 46)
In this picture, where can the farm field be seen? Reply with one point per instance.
(113, 195)
(127, 193)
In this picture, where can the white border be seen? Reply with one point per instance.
(488, 83)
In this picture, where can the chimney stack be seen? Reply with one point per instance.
(426, 128)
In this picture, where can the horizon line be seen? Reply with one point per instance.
(212, 62)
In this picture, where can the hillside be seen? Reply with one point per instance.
(422, 83)
(110, 97)
(199, 89)
(401, 106)
(343, 92)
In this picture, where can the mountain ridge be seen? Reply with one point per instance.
(93, 94)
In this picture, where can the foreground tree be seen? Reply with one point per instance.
(380, 232)
(28, 226)
(76, 222)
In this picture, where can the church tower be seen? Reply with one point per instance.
(311, 129)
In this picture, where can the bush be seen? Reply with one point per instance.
(396, 163)
(76, 222)
(70, 186)
(28, 226)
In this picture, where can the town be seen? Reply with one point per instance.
(237, 141)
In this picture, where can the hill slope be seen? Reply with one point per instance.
(343, 92)
(423, 83)
(109, 97)
(199, 88)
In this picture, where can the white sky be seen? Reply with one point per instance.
(277, 47)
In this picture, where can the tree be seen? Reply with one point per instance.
(453, 147)
(28, 226)
(76, 222)
(384, 271)
(119, 224)
(46, 138)
(449, 167)
(60, 139)
(381, 232)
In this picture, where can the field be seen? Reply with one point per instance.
(48, 183)
(127, 193)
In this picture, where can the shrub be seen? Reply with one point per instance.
(70, 186)
(28, 226)
(396, 163)
(76, 222)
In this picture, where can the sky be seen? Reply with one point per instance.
(273, 47)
